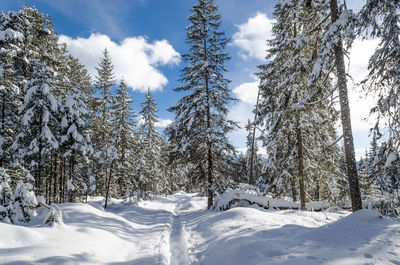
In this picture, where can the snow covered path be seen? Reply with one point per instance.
(177, 230)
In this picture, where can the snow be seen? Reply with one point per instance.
(9, 34)
(390, 159)
(223, 202)
(178, 229)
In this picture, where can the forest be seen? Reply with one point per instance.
(66, 136)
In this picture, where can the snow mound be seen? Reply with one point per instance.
(245, 197)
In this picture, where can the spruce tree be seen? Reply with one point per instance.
(380, 19)
(298, 117)
(126, 139)
(331, 56)
(153, 143)
(200, 128)
(74, 137)
(39, 121)
(103, 139)
(9, 92)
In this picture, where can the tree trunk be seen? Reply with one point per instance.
(253, 142)
(3, 116)
(355, 194)
(55, 179)
(108, 184)
(317, 188)
(300, 165)
(293, 186)
(71, 175)
(38, 179)
(209, 143)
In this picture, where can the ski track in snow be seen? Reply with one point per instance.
(178, 249)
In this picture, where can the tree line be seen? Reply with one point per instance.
(65, 137)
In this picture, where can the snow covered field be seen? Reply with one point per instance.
(178, 230)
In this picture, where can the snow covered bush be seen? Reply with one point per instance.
(24, 203)
(5, 196)
(131, 200)
(54, 216)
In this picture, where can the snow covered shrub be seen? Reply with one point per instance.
(131, 201)
(54, 216)
(4, 215)
(5, 196)
(24, 203)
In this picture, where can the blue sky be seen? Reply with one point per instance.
(146, 37)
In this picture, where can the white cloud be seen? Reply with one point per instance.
(134, 58)
(247, 92)
(162, 123)
(252, 36)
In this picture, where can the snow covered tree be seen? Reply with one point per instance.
(5, 196)
(9, 92)
(24, 203)
(298, 116)
(74, 138)
(380, 19)
(200, 128)
(103, 139)
(152, 142)
(126, 139)
(39, 121)
(341, 29)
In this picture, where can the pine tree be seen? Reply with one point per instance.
(126, 139)
(331, 56)
(298, 116)
(24, 203)
(104, 140)
(153, 143)
(380, 19)
(74, 138)
(5, 196)
(9, 91)
(39, 121)
(200, 128)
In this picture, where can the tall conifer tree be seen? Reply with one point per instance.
(201, 126)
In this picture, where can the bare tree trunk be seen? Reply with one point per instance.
(317, 188)
(355, 194)
(108, 184)
(293, 186)
(71, 175)
(3, 116)
(38, 180)
(253, 142)
(300, 165)
(60, 181)
(55, 179)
